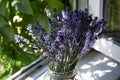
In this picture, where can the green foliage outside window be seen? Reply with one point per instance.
(14, 17)
(114, 15)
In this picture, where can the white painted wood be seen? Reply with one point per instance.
(35, 75)
(109, 48)
(95, 66)
(96, 8)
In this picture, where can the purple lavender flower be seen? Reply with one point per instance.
(48, 12)
(33, 36)
(68, 32)
(21, 45)
(53, 45)
(17, 38)
(60, 33)
(58, 38)
(64, 15)
(29, 28)
(36, 45)
(98, 21)
(71, 32)
(58, 56)
(26, 41)
(62, 48)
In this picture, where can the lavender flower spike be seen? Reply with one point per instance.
(72, 32)
(29, 28)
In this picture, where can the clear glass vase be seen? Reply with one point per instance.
(65, 70)
(51, 75)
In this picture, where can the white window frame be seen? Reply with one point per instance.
(106, 46)
(95, 6)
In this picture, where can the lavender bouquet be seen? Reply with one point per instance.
(72, 34)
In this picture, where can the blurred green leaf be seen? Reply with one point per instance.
(3, 9)
(27, 19)
(43, 20)
(55, 4)
(13, 58)
(3, 74)
(7, 33)
(26, 58)
(23, 6)
(18, 63)
(0, 1)
(38, 7)
(2, 22)
(0, 49)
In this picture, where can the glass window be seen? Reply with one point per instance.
(112, 15)
(82, 4)
(79, 4)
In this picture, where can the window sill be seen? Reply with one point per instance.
(92, 66)
(109, 47)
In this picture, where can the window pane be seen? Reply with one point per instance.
(82, 4)
(112, 15)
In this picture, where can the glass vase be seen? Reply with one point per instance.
(51, 75)
(65, 70)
